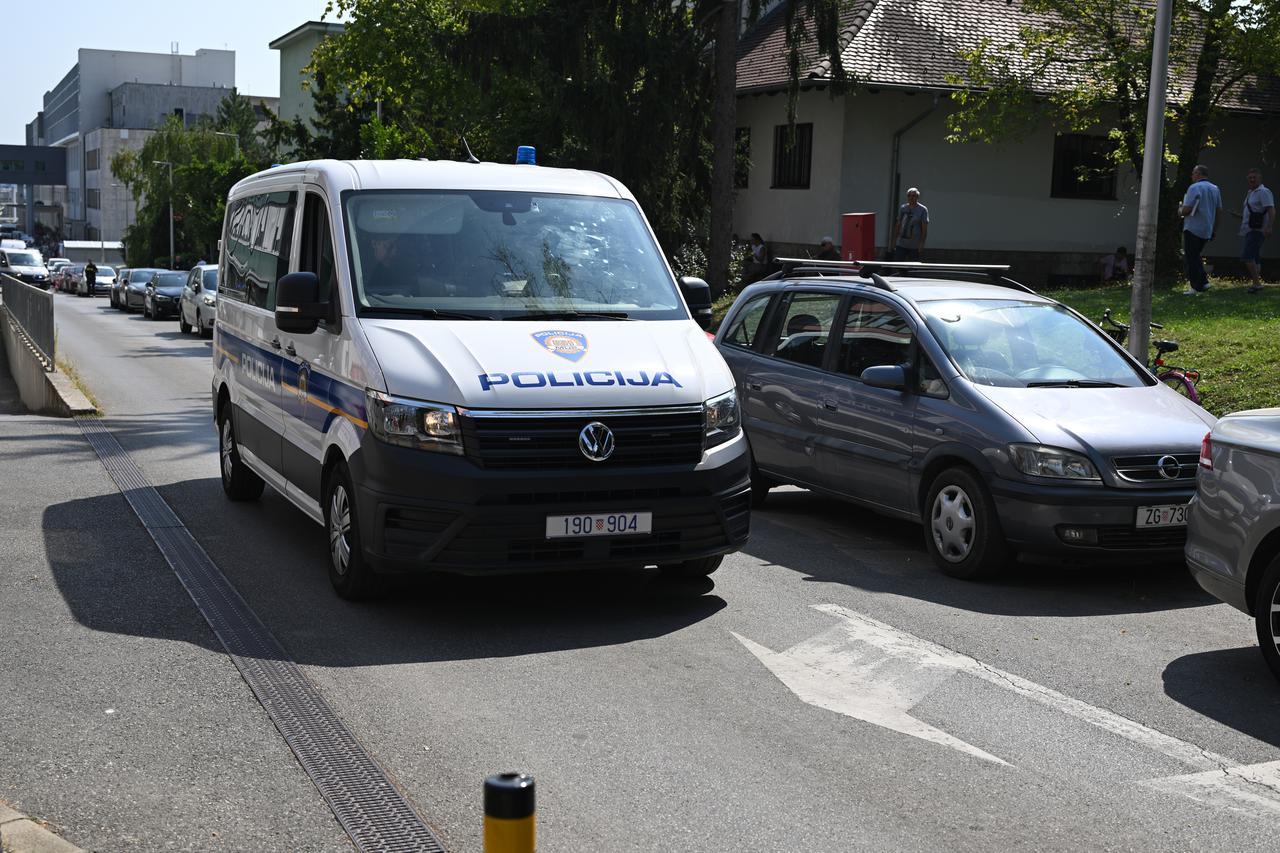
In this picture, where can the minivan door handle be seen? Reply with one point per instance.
(830, 405)
(275, 343)
(753, 386)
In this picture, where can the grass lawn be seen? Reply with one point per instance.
(1231, 337)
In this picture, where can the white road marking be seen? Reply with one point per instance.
(1247, 788)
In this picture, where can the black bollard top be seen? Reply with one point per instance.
(508, 795)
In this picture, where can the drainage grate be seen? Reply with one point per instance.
(373, 812)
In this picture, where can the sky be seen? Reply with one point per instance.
(41, 50)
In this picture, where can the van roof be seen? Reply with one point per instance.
(444, 175)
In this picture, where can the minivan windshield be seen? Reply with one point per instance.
(1020, 344)
(505, 255)
(23, 259)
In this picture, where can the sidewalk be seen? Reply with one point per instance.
(20, 834)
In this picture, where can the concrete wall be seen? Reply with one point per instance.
(103, 70)
(148, 105)
(43, 392)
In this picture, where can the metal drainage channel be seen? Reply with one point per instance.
(373, 812)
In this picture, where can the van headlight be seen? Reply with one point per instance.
(721, 418)
(412, 423)
(1036, 460)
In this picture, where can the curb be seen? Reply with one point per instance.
(20, 834)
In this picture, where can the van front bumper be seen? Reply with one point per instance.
(1093, 523)
(425, 511)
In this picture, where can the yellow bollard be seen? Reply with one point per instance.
(509, 814)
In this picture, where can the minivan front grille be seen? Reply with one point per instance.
(1154, 468)
(647, 437)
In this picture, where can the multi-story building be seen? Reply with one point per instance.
(295, 49)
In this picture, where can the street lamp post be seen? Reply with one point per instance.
(170, 165)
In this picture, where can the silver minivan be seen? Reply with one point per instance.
(1003, 421)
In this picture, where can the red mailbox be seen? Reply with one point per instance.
(858, 236)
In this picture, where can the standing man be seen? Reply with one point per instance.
(911, 229)
(1255, 225)
(1201, 207)
(827, 250)
(90, 277)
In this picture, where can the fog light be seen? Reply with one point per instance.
(1078, 535)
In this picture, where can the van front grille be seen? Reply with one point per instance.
(547, 440)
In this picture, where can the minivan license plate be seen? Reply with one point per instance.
(599, 524)
(1171, 515)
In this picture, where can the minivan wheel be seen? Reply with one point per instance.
(1266, 614)
(961, 530)
(238, 481)
(692, 568)
(349, 570)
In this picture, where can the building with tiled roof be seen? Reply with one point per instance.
(1017, 201)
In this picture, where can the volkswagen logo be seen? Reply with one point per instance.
(596, 441)
(1169, 467)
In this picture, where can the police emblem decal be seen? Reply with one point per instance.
(570, 345)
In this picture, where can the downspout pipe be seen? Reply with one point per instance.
(895, 180)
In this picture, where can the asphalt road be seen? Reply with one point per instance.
(828, 689)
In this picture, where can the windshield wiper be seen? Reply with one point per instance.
(433, 313)
(571, 315)
(1075, 383)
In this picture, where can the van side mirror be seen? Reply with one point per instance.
(697, 293)
(298, 309)
(891, 376)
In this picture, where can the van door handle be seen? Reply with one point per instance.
(830, 405)
(275, 343)
(289, 349)
(753, 386)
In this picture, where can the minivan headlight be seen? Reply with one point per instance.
(721, 418)
(412, 423)
(1036, 460)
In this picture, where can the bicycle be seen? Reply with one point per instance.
(1180, 379)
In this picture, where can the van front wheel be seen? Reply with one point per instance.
(349, 570)
(238, 481)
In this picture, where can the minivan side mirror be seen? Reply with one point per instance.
(891, 376)
(298, 309)
(697, 293)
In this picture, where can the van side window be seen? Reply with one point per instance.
(874, 334)
(928, 380)
(316, 254)
(806, 327)
(259, 234)
(747, 323)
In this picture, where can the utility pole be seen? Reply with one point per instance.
(1144, 266)
(170, 165)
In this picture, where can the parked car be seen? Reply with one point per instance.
(198, 307)
(25, 265)
(117, 287)
(135, 292)
(1233, 524)
(1005, 422)
(101, 281)
(162, 294)
(69, 277)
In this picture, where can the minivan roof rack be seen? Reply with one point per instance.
(994, 273)
(814, 267)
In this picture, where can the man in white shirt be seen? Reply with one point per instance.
(1201, 207)
(1255, 225)
(911, 229)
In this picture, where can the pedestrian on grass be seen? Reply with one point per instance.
(1116, 266)
(758, 264)
(827, 250)
(911, 229)
(1200, 209)
(1256, 221)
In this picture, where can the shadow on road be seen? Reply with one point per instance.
(1232, 686)
(833, 541)
(276, 558)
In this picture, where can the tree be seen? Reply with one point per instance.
(1082, 65)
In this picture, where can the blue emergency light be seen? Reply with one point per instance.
(526, 154)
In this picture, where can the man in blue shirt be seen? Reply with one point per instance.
(1200, 209)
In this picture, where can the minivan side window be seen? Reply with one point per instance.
(316, 254)
(874, 334)
(259, 234)
(747, 324)
(806, 326)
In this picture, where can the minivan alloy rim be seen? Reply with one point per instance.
(225, 450)
(339, 527)
(1275, 618)
(953, 524)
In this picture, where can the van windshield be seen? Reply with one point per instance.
(1017, 344)
(506, 255)
(23, 259)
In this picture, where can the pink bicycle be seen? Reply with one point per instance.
(1181, 379)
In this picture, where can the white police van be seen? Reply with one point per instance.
(473, 368)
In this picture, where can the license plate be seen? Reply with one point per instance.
(1171, 515)
(599, 524)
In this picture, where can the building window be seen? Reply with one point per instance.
(741, 157)
(93, 199)
(792, 156)
(1082, 168)
(13, 165)
(91, 159)
(40, 165)
(181, 114)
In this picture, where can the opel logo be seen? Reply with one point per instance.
(596, 441)
(1169, 467)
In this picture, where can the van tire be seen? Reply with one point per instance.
(1266, 620)
(961, 529)
(349, 570)
(239, 483)
(691, 569)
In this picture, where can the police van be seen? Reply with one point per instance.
(472, 368)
